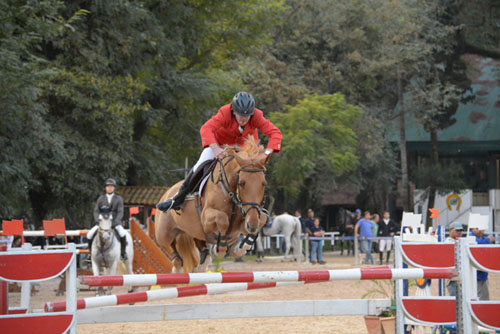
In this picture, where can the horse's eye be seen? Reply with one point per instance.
(241, 184)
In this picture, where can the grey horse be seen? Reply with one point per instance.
(290, 227)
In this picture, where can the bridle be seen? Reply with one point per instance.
(236, 200)
(102, 244)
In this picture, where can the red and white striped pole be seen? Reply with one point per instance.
(270, 276)
(169, 293)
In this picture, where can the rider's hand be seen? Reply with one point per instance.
(218, 151)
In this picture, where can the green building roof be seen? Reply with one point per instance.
(477, 124)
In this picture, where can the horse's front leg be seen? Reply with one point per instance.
(111, 270)
(215, 221)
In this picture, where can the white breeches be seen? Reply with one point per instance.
(385, 245)
(207, 154)
(118, 228)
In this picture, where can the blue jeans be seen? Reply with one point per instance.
(366, 247)
(316, 247)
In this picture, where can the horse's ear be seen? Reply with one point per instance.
(264, 158)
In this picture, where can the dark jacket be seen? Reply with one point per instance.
(385, 230)
(115, 208)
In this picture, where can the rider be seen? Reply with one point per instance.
(110, 203)
(231, 125)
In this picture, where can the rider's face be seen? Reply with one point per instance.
(242, 120)
(110, 189)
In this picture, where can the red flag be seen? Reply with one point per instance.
(434, 213)
(134, 210)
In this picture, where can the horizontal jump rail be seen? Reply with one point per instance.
(374, 273)
(169, 293)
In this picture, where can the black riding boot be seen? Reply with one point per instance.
(178, 199)
(123, 242)
(89, 243)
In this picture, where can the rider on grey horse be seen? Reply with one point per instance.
(112, 204)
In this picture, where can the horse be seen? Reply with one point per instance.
(209, 224)
(290, 227)
(346, 222)
(106, 250)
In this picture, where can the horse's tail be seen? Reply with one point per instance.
(188, 252)
(298, 228)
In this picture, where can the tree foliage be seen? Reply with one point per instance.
(91, 89)
(320, 139)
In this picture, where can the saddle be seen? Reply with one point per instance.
(203, 171)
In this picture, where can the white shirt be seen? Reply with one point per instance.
(110, 197)
(386, 221)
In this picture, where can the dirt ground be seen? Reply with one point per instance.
(279, 325)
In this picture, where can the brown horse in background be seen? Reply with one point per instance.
(229, 205)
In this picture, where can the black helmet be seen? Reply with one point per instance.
(111, 182)
(243, 104)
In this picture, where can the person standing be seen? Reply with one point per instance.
(317, 245)
(110, 203)
(363, 230)
(455, 229)
(386, 228)
(483, 292)
(309, 223)
(298, 214)
(375, 221)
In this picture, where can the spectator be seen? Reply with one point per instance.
(386, 228)
(357, 217)
(375, 220)
(17, 242)
(298, 214)
(482, 276)
(309, 221)
(455, 230)
(317, 245)
(363, 230)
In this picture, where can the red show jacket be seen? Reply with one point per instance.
(223, 129)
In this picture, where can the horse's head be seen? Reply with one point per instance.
(105, 227)
(250, 180)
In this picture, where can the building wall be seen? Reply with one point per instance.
(456, 207)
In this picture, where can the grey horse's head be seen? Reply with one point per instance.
(105, 227)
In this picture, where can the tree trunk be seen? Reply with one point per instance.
(402, 147)
(434, 163)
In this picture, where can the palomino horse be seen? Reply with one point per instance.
(291, 229)
(229, 205)
(106, 250)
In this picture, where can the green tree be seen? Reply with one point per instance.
(319, 142)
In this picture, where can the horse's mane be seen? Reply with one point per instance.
(250, 150)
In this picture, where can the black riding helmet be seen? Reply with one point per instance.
(110, 182)
(243, 104)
